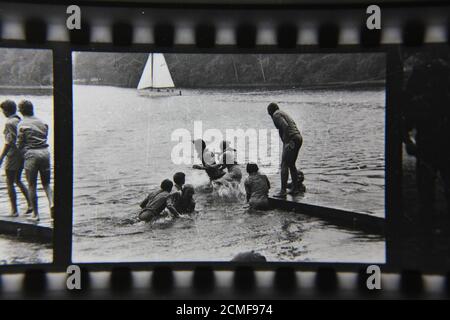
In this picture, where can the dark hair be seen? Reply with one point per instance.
(252, 168)
(225, 144)
(272, 107)
(26, 108)
(9, 106)
(179, 178)
(166, 185)
(202, 141)
(188, 188)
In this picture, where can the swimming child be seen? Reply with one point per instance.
(228, 187)
(233, 174)
(187, 203)
(213, 169)
(257, 187)
(300, 179)
(179, 179)
(156, 202)
(182, 201)
(225, 146)
(233, 177)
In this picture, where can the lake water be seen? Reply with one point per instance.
(12, 250)
(122, 150)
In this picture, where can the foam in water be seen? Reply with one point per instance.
(228, 191)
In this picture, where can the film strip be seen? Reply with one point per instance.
(200, 29)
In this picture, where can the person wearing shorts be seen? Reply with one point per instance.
(292, 142)
(32, 134)
(12, 158)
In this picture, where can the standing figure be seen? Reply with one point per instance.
(32, 134)
(292, 142)
(14, 159)
(427, 128)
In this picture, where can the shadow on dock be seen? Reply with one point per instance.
(20, 227)
(359, 221)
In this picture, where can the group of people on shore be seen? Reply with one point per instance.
(25, 147)
(256, 184)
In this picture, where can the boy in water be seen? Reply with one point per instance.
(14, 159)
(300, 179)
(228, 185)
(32, 134)
(225, 146)
(156, 202)
(179, 179)
(257, 188)
(181, 201)
(213, 170)
(234, 174)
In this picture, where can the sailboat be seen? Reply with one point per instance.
(156, 79)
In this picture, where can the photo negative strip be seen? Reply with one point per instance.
(26, 187)
(426, 156)
(182, 157)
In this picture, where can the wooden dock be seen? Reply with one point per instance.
(359, 221)
(20, 227)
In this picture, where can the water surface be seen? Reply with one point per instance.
(122, 150)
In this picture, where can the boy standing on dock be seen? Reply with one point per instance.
(292, 142)
(32, 134)
(14, 159)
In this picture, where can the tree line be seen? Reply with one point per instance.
(234, 70)
(25, 67)
(20, 67)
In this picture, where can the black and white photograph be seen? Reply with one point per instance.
(426, 155)
(26, 187)
(184, 157)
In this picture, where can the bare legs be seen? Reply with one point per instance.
(288, 159)
(14, 177)
(285, 171)
(32, 189)
(284, 176)
(45, 180)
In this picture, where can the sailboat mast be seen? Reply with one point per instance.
(152, 68)
(262, 68)
(235, 70)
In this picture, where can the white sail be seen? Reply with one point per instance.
(161, 73)
(146, 80)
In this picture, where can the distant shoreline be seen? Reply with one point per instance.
(23, 90)
(373, 84)
(331, 85)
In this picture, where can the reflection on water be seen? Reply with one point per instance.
(12, 250)
(122, 150)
